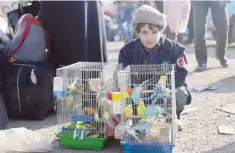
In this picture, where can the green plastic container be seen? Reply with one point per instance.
(88, 143)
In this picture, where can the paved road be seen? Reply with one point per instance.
(200, 134)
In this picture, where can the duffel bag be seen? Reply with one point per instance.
(28, 89)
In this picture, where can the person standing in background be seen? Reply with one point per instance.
(125, 11)
(177, 13)
(159, 5)
(155, 4)
(190, 38)
(221, 22)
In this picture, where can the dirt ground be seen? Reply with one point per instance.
(200, 134)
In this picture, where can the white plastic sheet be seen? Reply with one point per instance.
(23, 140)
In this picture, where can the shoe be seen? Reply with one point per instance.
(180, 125)
(188, 41)
(223, 62)
(200, 68)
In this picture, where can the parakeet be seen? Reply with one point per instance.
(128, 111)
(141, 109)
(141, 127)
(154, 110)
(136, 94)
(159, 89)
(89, 111)
(75, 86)
(80, 125)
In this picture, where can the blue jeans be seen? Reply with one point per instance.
(125, 15)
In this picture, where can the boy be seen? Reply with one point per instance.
(151, 48)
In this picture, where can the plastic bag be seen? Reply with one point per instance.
(23, 140)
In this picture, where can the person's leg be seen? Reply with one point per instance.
(200, 11)
(130, 31)
(189, 40)
(182, 98)
(180, 38)
(221, 22)
(171, 35)
(129, 16)
(160, 5)
(231, 38)
(120, 20)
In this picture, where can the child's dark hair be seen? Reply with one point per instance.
(151, 27)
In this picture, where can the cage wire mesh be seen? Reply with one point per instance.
(82, 110)
(149, 114)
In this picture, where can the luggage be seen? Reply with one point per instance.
(27, 89)
(29, 42)
(3, 113)
(14, 16)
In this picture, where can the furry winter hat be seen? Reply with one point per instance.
(148, 14)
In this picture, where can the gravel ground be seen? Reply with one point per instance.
(200, 134)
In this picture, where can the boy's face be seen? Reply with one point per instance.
(149, 38)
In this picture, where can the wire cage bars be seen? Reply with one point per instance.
(83, 109)
(149, 114)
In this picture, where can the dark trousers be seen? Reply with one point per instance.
(190, 25)
(220, 19)
(173, 36)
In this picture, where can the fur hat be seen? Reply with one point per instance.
(148, 14)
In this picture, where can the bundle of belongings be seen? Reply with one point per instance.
(26, 75)
(4, 40)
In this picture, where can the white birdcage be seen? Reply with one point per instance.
(83, 109)
(149, 114)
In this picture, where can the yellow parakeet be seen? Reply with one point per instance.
(89, 111)
(141, 109)
(128, 111)
(162, 79)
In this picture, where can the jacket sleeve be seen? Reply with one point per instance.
(124, 57)
(180, 61)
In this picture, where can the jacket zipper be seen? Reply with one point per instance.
(146, 58)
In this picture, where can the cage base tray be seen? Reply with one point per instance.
(87, 143)
(150, 148)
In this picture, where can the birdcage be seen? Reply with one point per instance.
(149, 114)
(84, 112)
